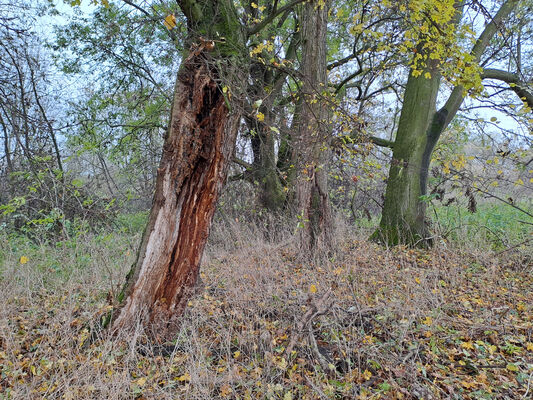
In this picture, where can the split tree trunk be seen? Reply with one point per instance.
(265, 173)
(197, 151)
(196, 155)
(311, 153)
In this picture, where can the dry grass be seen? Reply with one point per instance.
(447, 323)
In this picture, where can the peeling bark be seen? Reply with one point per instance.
(196, 155)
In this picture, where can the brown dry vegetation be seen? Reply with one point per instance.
(452, 322)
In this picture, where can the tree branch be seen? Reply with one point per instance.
(456, 97)
(139, 8)
(261, 25)
(357, 136)
(142, 10)
(516, 85)
(242, 163)
(381, 142)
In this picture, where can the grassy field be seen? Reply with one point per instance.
(371, 323)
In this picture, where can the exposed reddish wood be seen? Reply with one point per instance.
(196, 154)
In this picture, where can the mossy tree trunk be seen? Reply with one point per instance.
(310, 151)
(265, 173)
(403, 218)
(197, 151)
(266, 90)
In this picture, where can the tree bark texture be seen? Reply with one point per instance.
(311, 136)
(403, 216)
(265, 173)
(196, 154)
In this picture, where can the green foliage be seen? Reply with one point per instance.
(494, 226)
(45, 204)
(132, 223)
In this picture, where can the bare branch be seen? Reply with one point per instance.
(264, 23)
(515, 84)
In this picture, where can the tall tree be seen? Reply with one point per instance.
(311, 135)
(197, 151)
(421, 124)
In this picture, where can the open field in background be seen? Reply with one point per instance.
(453, 322)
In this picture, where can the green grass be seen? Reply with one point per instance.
(495, 225)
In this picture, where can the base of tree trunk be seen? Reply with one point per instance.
(394, 235)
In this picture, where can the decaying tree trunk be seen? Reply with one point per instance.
(197, 151)
(196, 155)
(311, 153)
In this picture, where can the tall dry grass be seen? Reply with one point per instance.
(395, 325)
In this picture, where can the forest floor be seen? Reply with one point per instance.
(370, 323)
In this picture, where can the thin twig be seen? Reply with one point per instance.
(321, 306)
(321, 359)
(513, 247)
(528, 384)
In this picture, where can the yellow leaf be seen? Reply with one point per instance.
(313, 289)
(225, 390)
(468, 345)
(427, 321)
(170, 21)
(417, 280)
(186, 377)
(24, 259)
(512, 367)
(236, 354)
(468, 385)
(529, 346)
(141, 381)
(367, 374)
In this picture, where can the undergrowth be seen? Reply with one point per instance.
(453, 322)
